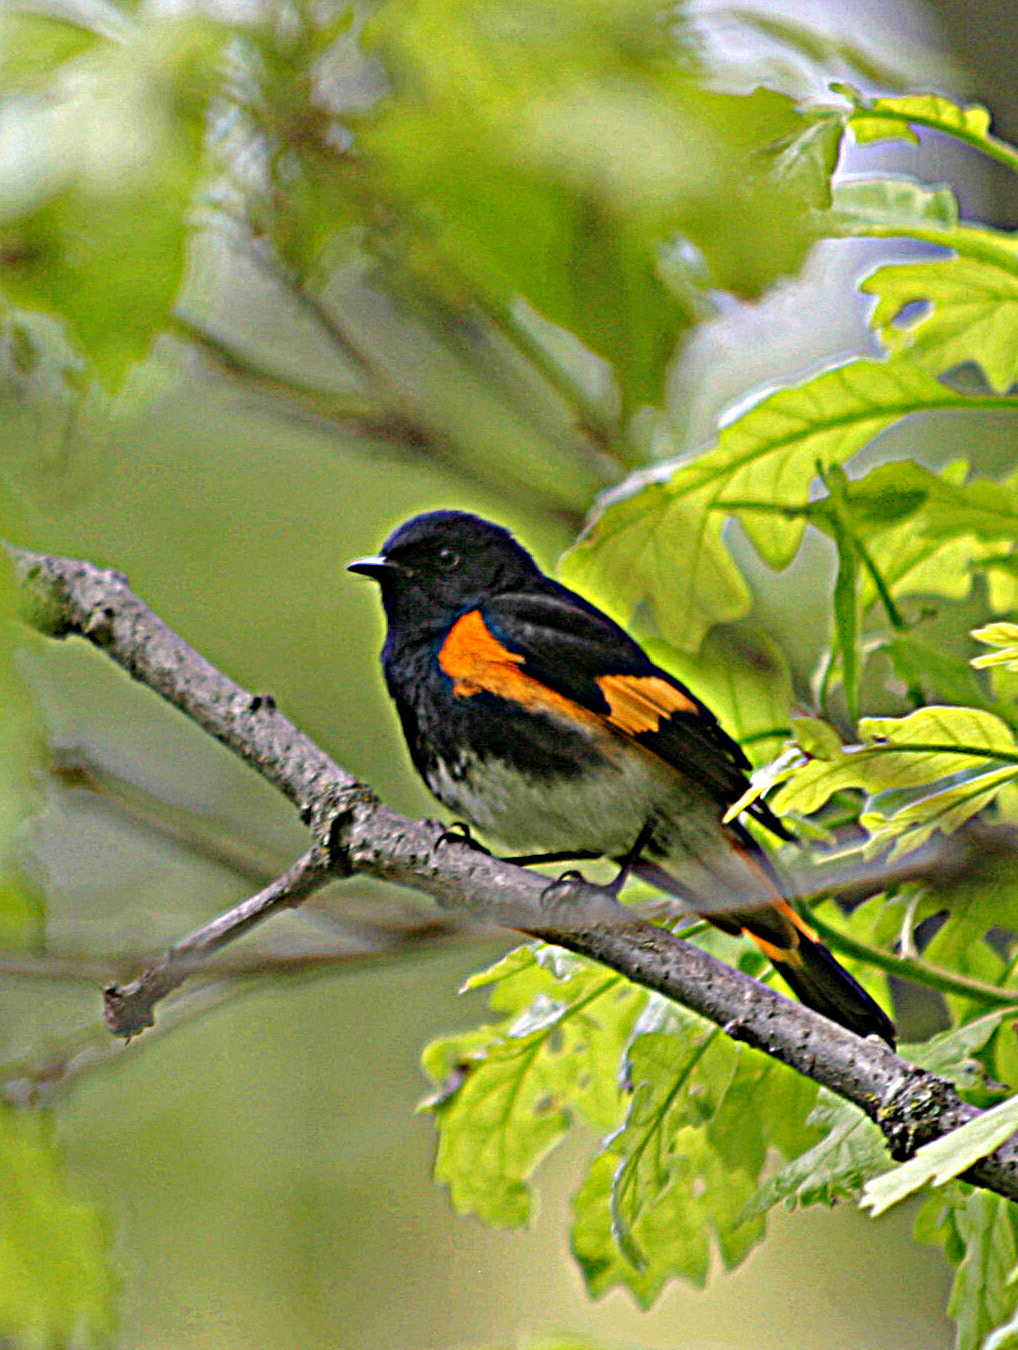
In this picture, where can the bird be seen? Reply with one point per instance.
(540, 722)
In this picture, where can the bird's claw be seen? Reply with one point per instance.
(459, 833)
(564, 881)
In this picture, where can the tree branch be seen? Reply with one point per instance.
(353, 832)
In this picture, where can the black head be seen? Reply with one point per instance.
(443, 563)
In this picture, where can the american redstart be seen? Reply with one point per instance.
(538, 720)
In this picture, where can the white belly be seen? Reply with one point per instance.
(601, 811)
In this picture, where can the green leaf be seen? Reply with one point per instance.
(923, 531)
(883, 119)
(945, 808)
(951, 1053)
(944, 754)
(972, 312)
(678, 1242)
(56, 1279)
(95, 231)
(936, 506)
(660, 1067)
(851, 1151)
(815, 738)
(985, 899)
(771, 453)
(703, 1117)
(637, 546)
(943, 1159)
(1003, 636)
(929, 534)
(506, 1094)
(971, 298)
(701, 1199)
(656, 528)
(979, 1234)
(945, 677)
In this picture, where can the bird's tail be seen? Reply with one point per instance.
(811, 972)
(798, 955)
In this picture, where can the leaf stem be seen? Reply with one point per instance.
(915, 969)
(894, 614)
(935, 748)
(988, 145)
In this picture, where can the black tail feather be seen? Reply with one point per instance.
(816, 978)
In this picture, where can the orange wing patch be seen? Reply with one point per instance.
(797, 921)
(641, 703)
(476, 661)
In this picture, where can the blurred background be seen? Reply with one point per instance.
(265, 1180)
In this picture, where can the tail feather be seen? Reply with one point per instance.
(798, 955)
(816, 978)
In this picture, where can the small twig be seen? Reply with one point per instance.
(353, 831)
(129, 1008)
(201, 836)
(431, 934)
(31, 1079)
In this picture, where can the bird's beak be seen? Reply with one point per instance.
(377, 568)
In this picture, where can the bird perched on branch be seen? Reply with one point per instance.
(542, 723)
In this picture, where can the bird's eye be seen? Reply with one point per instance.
(448, 558)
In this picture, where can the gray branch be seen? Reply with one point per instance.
(353, 832)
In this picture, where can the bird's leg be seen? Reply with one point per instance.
(565, 855)
(629, 860)
(459, 832)
(626, 863)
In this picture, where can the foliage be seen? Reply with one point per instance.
(55, 1275)
(502, 223)
(943, 1159)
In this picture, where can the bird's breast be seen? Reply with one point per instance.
(600, 804)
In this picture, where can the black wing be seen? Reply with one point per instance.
(579, 652)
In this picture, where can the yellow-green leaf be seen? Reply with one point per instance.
(1003, 636)
(943, 1159)
(506, 1094)
(663, 550)
(657, 540)
(882, 119)
(56, 1279)
(942, 762)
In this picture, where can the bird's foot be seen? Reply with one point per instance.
(459, 833)
(565, 881)
(628, 861)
